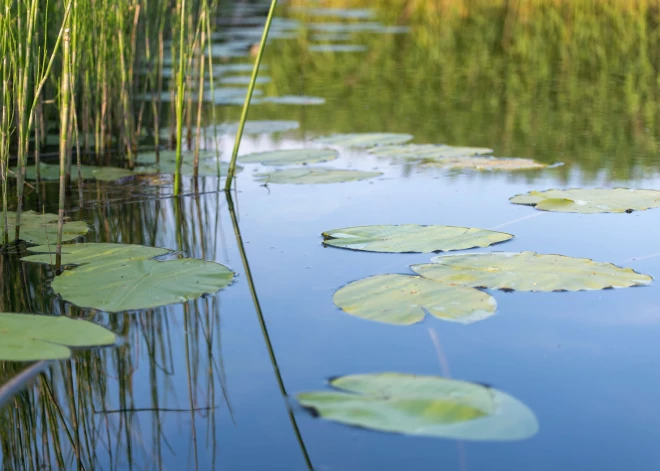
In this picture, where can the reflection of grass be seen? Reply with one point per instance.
(566, 80)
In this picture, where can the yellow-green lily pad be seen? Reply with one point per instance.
(37, 228)
(589, 201)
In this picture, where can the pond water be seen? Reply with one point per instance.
(197, 385)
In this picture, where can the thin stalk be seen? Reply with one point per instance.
(65, 94)
(180, 98)
(246, 106)
(264, 329)
(200, 100)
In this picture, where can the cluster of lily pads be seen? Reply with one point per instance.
(103, 276)
(450, 288)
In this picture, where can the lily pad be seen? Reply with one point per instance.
(405, 300)
(347, 13)
(290, 157)
(423, 405)
(244, 80)
(303, 176)
(295, 100)
(259, 127)
(363, 140)
(208, 163)
(427, 152)
(51, 172)
(490, 163)
(94, 253)
(336, 48)
(28, 337)
(39, 228)
(412, 238)
(140, 284)
(588, 201)
(529, 271)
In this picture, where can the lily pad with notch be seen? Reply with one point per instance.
(412, 238)
(424, 406)
(314, 175)
(29, 337)
(529, 271)
(405, 300)
(94, 253)
(290, 157)
(39, 228)
(590, 201)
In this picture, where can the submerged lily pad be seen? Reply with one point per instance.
(363, 140)
(295, 100)
(140, 284)
(39, 228)
(597, 200)
(26, 337)
(529, 271)
(51, 172)
(423, 405)
(405, 300)
(427, 152)
(412, 238)
(259, 127)
(336, 48)
(315, 175)
(290, 157)
(89, 253)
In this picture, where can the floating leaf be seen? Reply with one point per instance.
(301, 176)
(244, 80)
(26, 337)
(529, 271)
(336, 48)
(423, 405)
(405, 300)
(89, 253)
(427, 152)
(295, 100)
(39, 228)
(412, 238)
(49, 172)
(290, 157)
(208, 163)
(363, 140)
(488, 163)
(258, 127)
(597, 200)
(348, 13)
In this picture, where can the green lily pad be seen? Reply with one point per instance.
(245, 80)
(290, 157)
(259, 127)
(295, 100)
(315, 175)
(26, 337)
(51, 172)
(423, 405)
(405, 300)
(427, 152)
(589, 201)
(140, 284)
(347, 13)
(363, 140)
(412, 238)
(94, 253)
(488, 163)
(39, 228)
(336, 48)
(208, 163)
(529, 271)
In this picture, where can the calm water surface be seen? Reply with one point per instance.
(193, 386)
